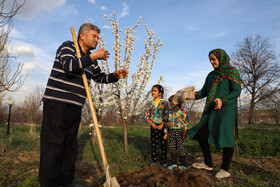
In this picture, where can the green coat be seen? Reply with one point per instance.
(220, 122)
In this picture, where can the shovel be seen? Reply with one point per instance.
(110, 181)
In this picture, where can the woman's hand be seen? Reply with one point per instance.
(165, 136)
(218, 103)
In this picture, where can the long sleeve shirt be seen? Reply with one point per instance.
(65, 82)
(177, 119)
(156, 114)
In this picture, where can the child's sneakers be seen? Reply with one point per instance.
(153, 163)
(182, 167)
(201, 165)
(164, 165)
(172, 166)
(222, 174)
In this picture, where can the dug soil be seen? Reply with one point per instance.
(153, 176)
(158, 176)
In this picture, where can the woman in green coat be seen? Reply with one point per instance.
(222, 87)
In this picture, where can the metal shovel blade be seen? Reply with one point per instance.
(112, 182)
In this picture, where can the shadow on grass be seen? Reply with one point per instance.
(143, 144)
(140, 142)
(254, 171)
(84, 139)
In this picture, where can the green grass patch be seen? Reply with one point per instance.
(259, 142)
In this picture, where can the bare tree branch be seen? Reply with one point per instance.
(9, 80)
(273, 105)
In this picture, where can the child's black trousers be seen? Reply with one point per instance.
(156, 139)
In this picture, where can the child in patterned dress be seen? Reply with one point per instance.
(176, 127)
(156, 116)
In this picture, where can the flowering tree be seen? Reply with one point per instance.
(128, 95)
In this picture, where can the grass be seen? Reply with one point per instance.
(259, 142)
(19, 156)
(14, 170)
(255, 176)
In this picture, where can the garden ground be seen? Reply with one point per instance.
(157, 176)
(19, 160)
(153, 175)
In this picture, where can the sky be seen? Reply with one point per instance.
(188, 28)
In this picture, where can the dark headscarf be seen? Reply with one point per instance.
(224, 71)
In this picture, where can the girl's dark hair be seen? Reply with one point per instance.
(160, 89)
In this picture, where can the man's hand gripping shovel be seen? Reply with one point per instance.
(110, 181)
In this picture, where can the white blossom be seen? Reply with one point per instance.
(128, 96)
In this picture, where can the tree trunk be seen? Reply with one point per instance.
(251, 112)
(277, 117)
(124, 123)
(125, 136)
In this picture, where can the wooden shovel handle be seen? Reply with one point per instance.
(93, 113)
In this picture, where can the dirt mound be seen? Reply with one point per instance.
(153, 175)
(156, 175)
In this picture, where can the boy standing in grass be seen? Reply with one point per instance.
(177, 125)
